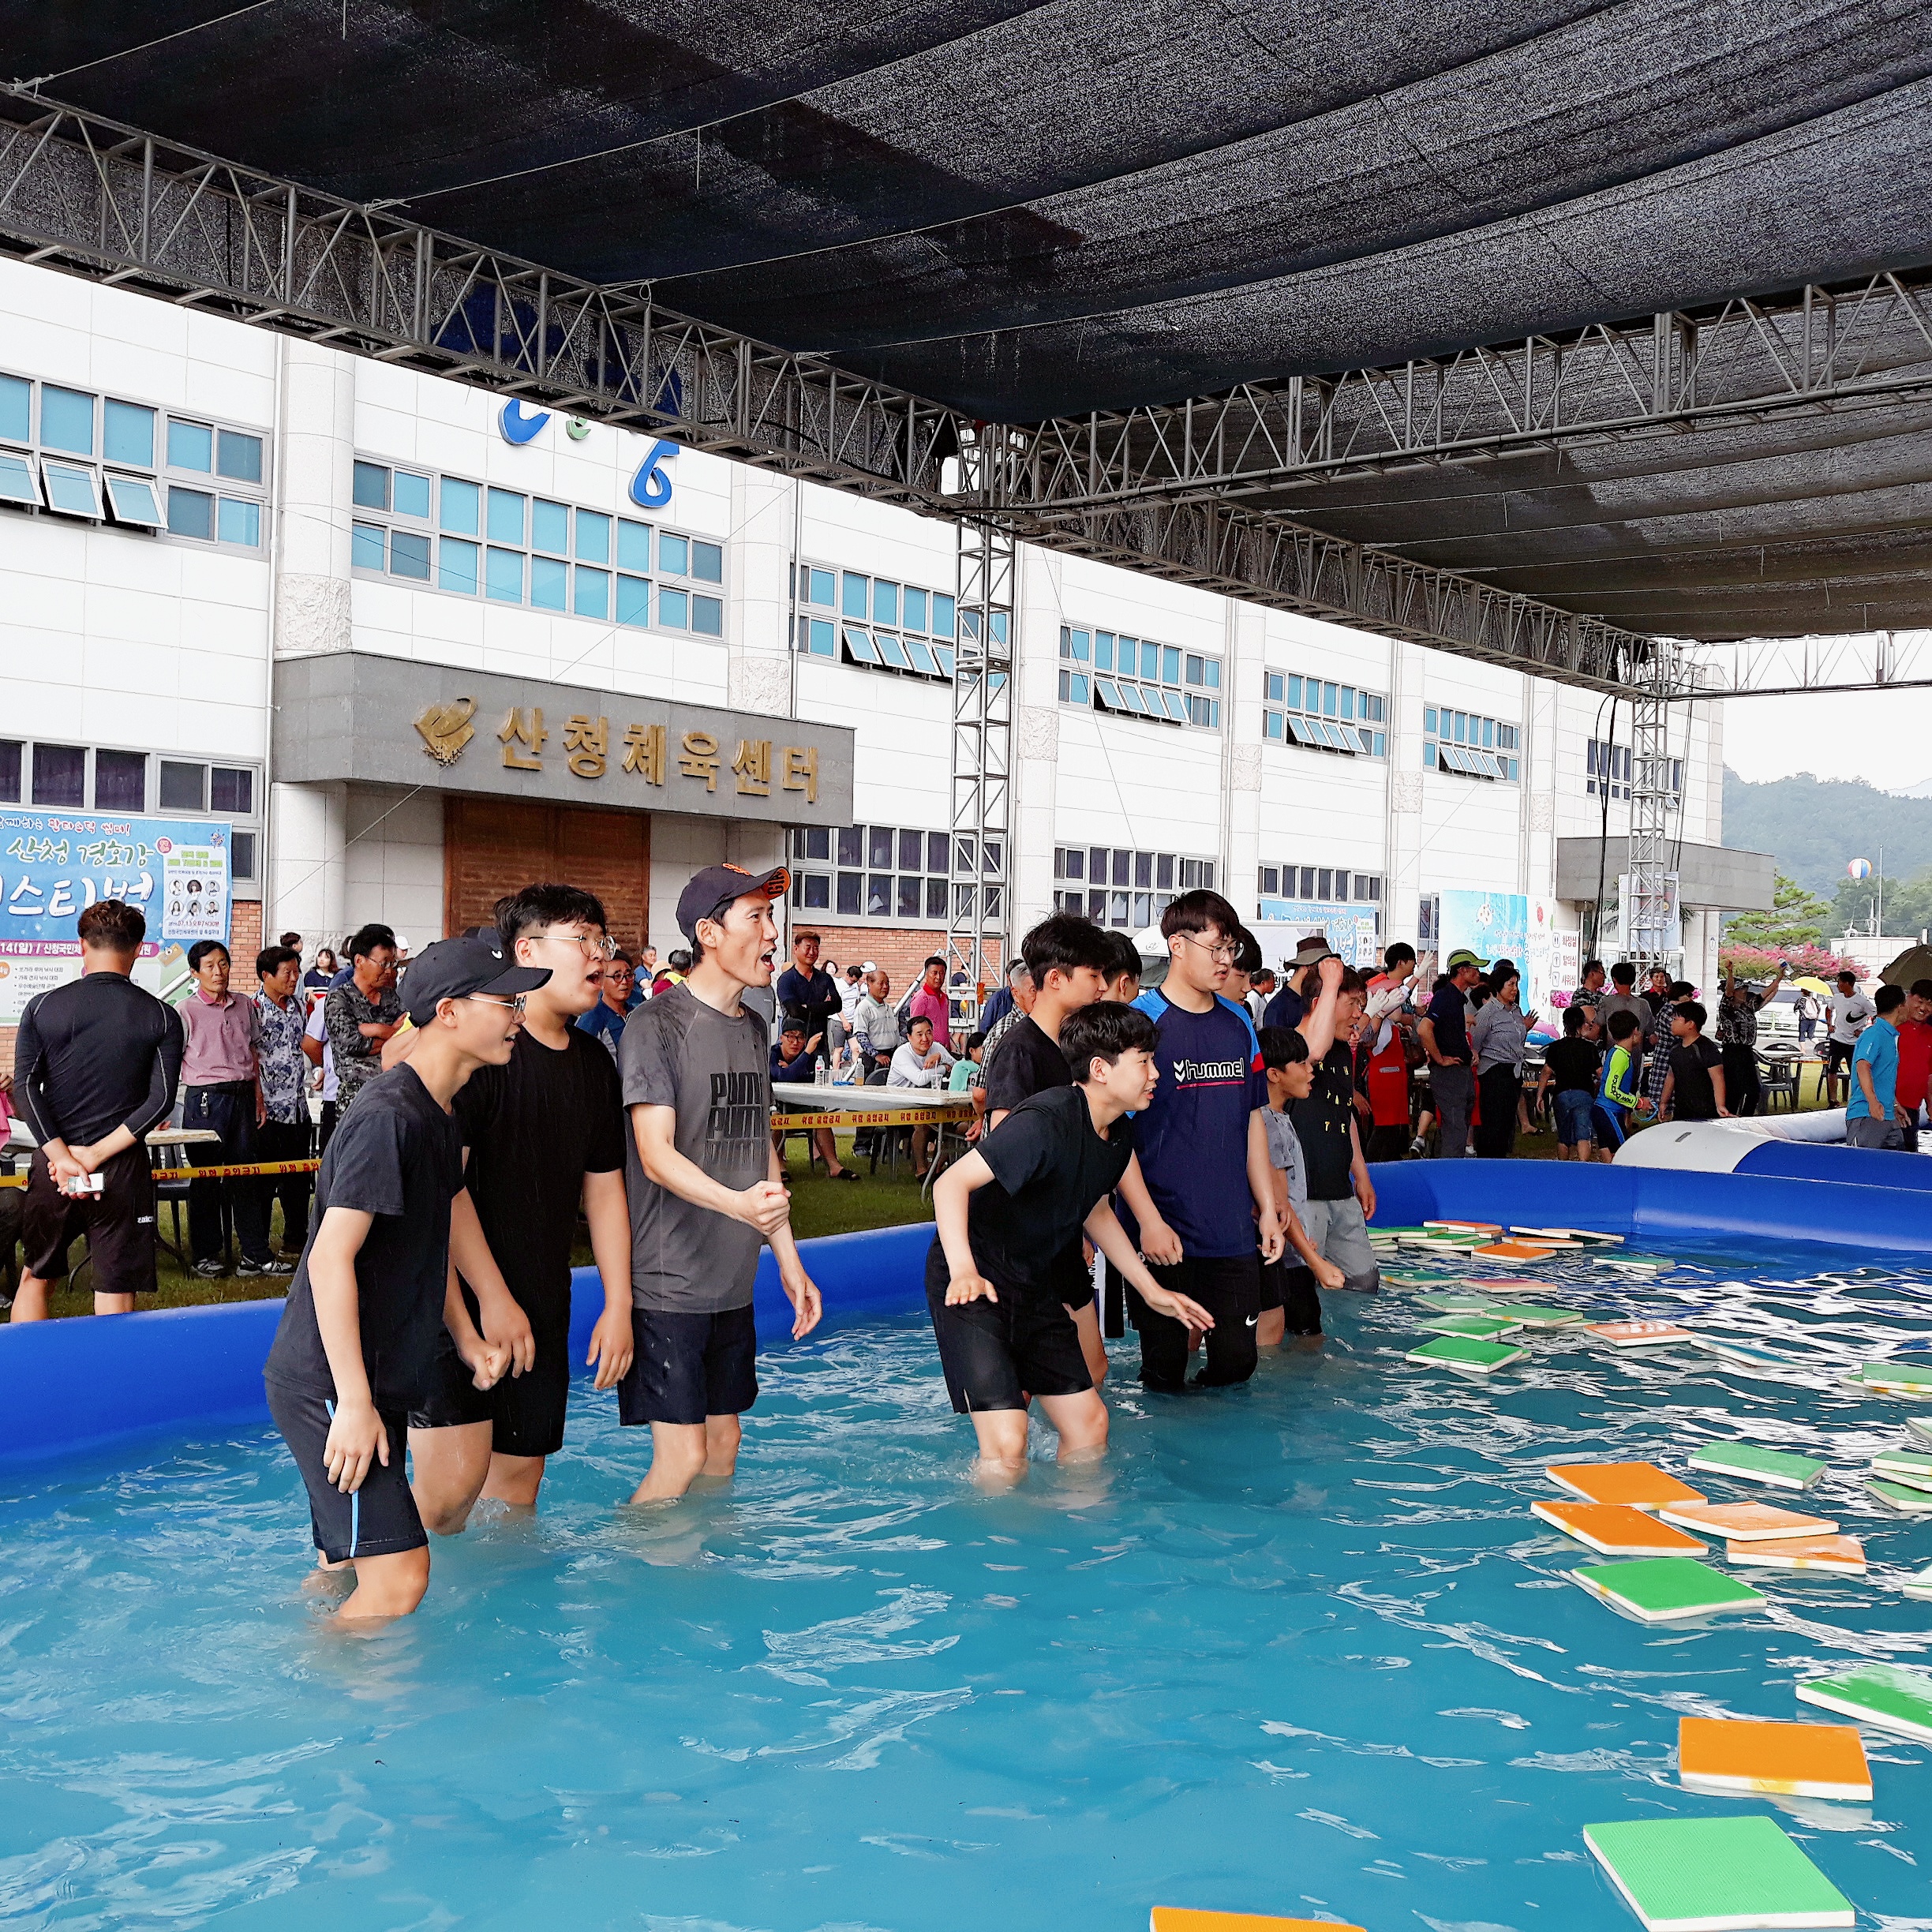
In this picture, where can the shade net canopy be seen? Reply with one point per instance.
(1034, 213)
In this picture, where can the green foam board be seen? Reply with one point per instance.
(1665, 1589)
(1715, 1875)
(1465, 1352)
(1906, 1501)
(1775, 1466)
(1530, 1316)
(1911, 1467)
(1920, 1426)
(1460, 1303)
(1909, 1378)
(1484, 1327)
(1919, 1583)
(1881, 1694)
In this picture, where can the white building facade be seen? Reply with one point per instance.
(412, 647)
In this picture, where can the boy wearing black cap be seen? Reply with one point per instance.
(706, 1189)
(365, 1311)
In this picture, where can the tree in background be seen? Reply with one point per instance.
(1797, 919)
(1906, 902)
(1754, 964)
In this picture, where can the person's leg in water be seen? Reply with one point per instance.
(682, 1452)
(451, 1465)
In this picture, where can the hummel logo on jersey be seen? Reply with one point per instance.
(1185, 1070)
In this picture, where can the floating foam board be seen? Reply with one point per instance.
(1518, 1286)
(1639, 1485)
(1459, 1303)
(1484, 1327)
(1774, 1466)
(1638, 1264)
(1181, 1919)
(1615, 1530)
(1897, 1378)
(1667, 1589)
(1639, 1335)
(1919, 1584)
(1883, 1695)
(1746, 1522)
(1777, 1760)
(1467, 1353)
(1574, 1238)
(1909, 1466)
(1512, 1250)
(1529, 1314)
(1741, 1354)
(1467, 1227)
(1920, 1426)
(1895, 1495)
(1717, 1874)
(1842, 1553)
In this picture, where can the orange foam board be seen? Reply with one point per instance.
(1469, 1227)
(1781, 1760)
(1512, 1250)
(1181, 1919)
(1747, 1522)
(1812, 1553)
(1615, 1529)
(1634, 1334)
(1642, 1485)
(1516, 1285)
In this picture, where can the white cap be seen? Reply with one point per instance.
(869, 967)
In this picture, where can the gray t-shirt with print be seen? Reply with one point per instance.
(1285, 1152)
(715, 1071)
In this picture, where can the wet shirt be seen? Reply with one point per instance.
(397, 1156)
(534, 1128)
(713, 1070)
(1321, 1122)
(1573, 1062)
(1693, 1097)
(1050, 1167)
(1285, 1152)
(1192, 1137)
(1878, 1048)
(1028, 1062)
(95, 1055)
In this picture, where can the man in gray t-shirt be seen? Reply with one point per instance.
(705, 1189)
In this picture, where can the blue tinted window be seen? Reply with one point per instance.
(506, 517)
(915, 609)
(1170, 665)
(505, 579)
(1103, 650)
(593, 536)
(673, 609)
(673, 554)
(593, 592)
(707, 562)
(549, 583)
(942, 615)
(884, 601)
(16, 392)
(1348, 701)
(633, 600)
(370, 487)
(409, 555)
(633, 545)
(707, 617)
(365, 540)
(462, 506)
(412, 494)
(1428, 719)
(1081, 643)
(857, 599)
(824, 637)
(237, 456)
(818, 588)
(1150, 660)
(456, 562)
(191, 446)
(550, 527)
(1213, 673)
(67, 420)
(127, 434)
(191, 513)
(240, 522)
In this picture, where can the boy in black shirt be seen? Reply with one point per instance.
(539, 1134)
(1571, 1065)
(359, 1335)
(1007, 1213)
(1693, 1089)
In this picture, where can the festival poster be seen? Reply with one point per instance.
(54, 863)
(1352, 931)
(1492, 925)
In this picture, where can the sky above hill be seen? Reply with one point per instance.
(1883, 737)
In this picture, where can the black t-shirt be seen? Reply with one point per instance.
(1573, 1062)
(535, 1129)
(1050, 1167)
(815, 1000)
(1027, 1062)
(1321, 1124)
(1693, 1098)
(397, 1155)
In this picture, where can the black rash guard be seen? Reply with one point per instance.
(97, 1053)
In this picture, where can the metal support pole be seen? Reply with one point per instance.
(977, 930)
(1651, 935)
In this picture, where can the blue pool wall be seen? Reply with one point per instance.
(72, 1386)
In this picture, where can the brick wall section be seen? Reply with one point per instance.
(244, 930)
(902, 950)
(492, 846)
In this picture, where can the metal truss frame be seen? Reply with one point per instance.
(1792, 667)
(1821, 349)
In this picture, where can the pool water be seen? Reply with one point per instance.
(1299, 1647)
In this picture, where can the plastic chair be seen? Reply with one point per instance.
(1777, 1075)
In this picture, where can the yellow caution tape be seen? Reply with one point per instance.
(202, 1173)
(882, 1116)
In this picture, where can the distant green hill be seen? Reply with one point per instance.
(1813, 826)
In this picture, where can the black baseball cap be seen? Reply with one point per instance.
(709, 892)
(455, 968)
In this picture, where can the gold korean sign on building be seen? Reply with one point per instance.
(384, 721)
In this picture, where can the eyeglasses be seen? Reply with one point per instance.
(604, 947)
(514, 1005)
(1224, 953)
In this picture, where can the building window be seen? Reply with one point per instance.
(1333, 885)
(131, 465)
(1117, 885)
(1607, 769)
(509, 547)
(887, 876)
(1323, 715)
(1477, 747)
(1133, 677)
(846, 617)
(1428, 921)
(104, 779)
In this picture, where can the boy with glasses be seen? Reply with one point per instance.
(541, 1131)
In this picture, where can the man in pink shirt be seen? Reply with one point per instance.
(221, 1090)
(929, 1002)
(1915, 1060)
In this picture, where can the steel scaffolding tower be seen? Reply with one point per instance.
(1652, 934)
(982, 717)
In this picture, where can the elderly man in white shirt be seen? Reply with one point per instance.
(920, 1062)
